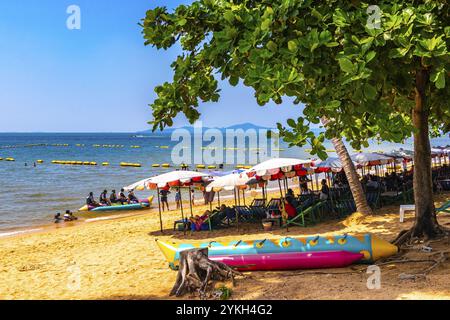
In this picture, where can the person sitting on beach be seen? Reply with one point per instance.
(372, 184)
(304, 190)
(197, 222)
(289, 207)
(68, 216)
(324, 191)
(132, 198)
(90, 200)
(104, 198)
(122, 197)
(164, 193)
(290, 193)
(58, 218)
(113, 197)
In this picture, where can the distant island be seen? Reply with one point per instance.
(244, 126)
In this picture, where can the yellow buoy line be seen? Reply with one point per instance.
(126, 164)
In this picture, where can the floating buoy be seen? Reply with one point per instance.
(40, 161)
(10, 159)
(86, 163)
(93, 163)
(105, 164)
(126, 164)
(155, 165)
(165, 165)
(239, 167)
(247, 167)
(1, 159)
(164, 147)
(201, 166)
(211, 167)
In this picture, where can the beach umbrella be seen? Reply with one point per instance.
(330, 164)
(370, 159)
(228, 182)
(277, 166)
(280, 169)
(174, 179)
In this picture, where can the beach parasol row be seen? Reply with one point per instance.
(279, 168)
(171, 179)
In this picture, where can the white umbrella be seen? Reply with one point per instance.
(330, 164)
(171, 179)
(371, 159)
(228, 182)
(140, 185)
(274, 166)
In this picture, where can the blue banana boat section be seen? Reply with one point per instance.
(371, 247)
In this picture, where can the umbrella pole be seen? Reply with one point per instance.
(159, 209)
(239, 197)
(243, 196)
(282, 205)
(218, 197)
(235, 199)
(190, 201)
(182, 212)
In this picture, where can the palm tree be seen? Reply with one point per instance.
(350, 171)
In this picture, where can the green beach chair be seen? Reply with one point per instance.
(445, 208)
(306, 217)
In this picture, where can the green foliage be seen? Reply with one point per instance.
(225, 292)
(325, 54)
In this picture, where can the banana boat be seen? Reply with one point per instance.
(371, 247)
(144, 203)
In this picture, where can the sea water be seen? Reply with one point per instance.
(31, 195)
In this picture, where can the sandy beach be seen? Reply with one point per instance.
(119, 259)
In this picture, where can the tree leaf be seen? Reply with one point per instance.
(292, 46)
(346, 65)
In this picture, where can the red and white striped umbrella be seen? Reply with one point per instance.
(280, 168)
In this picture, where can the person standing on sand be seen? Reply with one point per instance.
(164, 194)
(178, 198)
(193, 197)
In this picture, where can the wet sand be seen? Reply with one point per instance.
(119, 259)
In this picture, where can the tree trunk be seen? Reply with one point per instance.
(352, 176)
(196, 271)
(426, 224)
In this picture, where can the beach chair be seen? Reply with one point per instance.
(373, 199)
(344, 207)
(217, 220)
(258, 203)
(245, 214)
(306, 217)
(273, 207)
(445, 208)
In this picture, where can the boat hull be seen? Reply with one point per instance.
(370, 246)
(290, 261)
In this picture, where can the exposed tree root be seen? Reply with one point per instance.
(196, 271)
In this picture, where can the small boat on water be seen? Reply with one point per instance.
(290, 261)
(143, 204)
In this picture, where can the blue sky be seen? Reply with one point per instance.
(99, 78)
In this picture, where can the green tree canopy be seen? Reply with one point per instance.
(347, 60)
